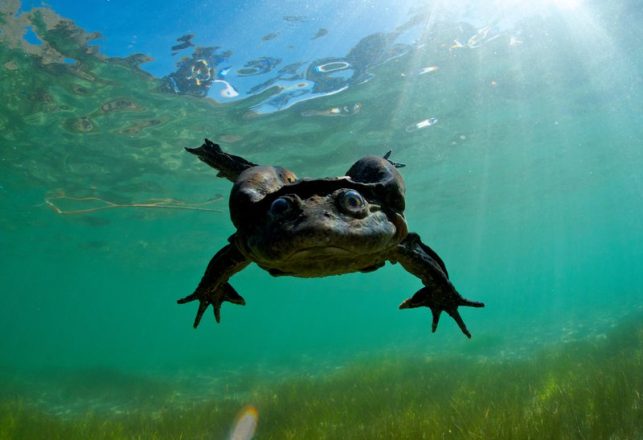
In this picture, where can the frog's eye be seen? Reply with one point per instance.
(352, 202)
(280, 206)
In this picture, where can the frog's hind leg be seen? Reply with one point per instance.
(439, 294)
(229, 166)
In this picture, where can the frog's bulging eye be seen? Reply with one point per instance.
(352, 202)
(280, 206)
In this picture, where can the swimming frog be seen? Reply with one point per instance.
(319, 227)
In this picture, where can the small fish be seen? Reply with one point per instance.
(428, 69)
(421, 124)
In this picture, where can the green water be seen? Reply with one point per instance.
(529, 186)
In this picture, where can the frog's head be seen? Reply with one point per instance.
(319, 227)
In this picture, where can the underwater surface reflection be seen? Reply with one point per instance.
(519, 124)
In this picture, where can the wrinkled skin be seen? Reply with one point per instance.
(321, 227)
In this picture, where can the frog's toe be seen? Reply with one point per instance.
(438, 302)
(458, 319)
(188, 298)
(229, 295)
(224, 293)
(203, 305)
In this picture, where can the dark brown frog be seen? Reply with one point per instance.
(320, 227)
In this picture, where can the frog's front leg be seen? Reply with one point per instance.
(214, 287)
(438, 293)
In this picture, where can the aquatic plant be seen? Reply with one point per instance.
(579, 390)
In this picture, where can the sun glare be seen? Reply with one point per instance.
(539, 6)
(567, 5)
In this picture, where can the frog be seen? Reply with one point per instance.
(310, 228)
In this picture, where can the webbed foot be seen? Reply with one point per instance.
(217, 297)
(440, 301)
(228, 165)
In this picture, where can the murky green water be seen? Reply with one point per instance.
(524, 157)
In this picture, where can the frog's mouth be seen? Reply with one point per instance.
(320, 252)
(321, 261)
